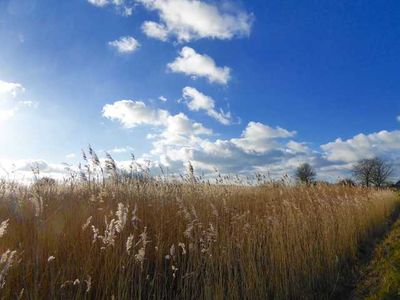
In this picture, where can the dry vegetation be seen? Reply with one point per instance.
(149, 239)
(381, 277)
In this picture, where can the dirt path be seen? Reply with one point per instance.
(380, 278)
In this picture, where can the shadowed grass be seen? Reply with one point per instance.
(381, 278)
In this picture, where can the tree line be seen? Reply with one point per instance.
(367, 172)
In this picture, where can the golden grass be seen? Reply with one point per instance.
(380, 279)
(145, 239)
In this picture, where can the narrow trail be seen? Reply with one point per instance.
(380, 279)
(378, 276)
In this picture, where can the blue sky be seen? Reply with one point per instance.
(250, 86)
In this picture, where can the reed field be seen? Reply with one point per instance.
(150, 239)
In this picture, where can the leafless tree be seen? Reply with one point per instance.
(373, 171)
(363, 171)
(305, 173)
(382, 172)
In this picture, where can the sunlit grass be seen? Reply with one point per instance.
(146, 239)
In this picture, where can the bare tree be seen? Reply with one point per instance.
(305, 173)
(363, 171)
(373, 171)
(382, 172)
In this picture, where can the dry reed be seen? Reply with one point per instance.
(147, 239)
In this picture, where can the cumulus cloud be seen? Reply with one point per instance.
(270, 150)
(178, 139)
(188, 20)
(10, 101)
(260, 138)
(134, 113)
(22, 169)
(259, 145)
(255, 130)
(191, 63)
(260, 148)
(232, 155)
(162, 99)
(342, 154)
(383, 143)
(180, 124)
(125, 44)
(125, 7)
(197, 101)
(155, 30)
(31, 164)
(99, 3)
(296, 147)
(10, 90)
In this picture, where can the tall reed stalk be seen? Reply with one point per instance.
(147, 239)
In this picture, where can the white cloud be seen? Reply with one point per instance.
(383, 143)
(263, 148)
(22, 169)
(125, 45)
(188, 20)
(10, 90)
(398, 118)
(99, 3)
(134, 113)
(178, 139)
(155, 30)
(197, 101)
(43, 166)
(10, 102)
(296, 147)
(260, 138)
(259, 146)
(124, 7)
(174, 133)
(180, 124)
(191, 63)
(231, 155)
(127, 11)
(162, 99)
